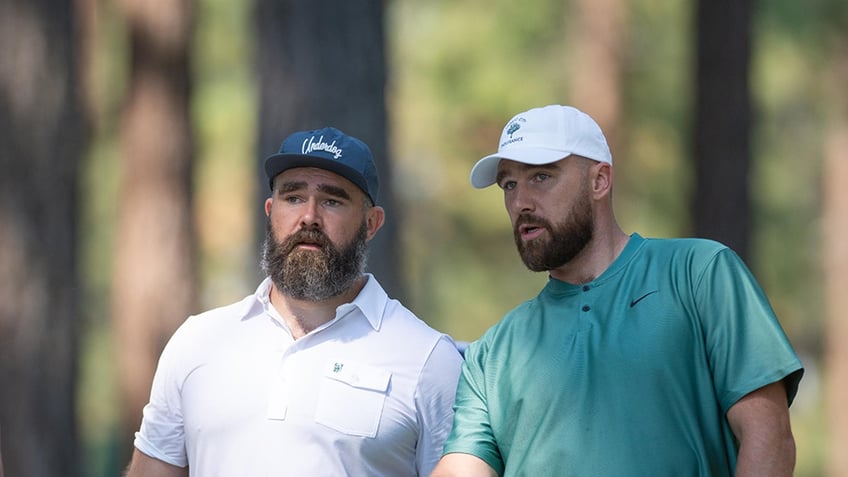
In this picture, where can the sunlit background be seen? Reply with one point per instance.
(457, 71)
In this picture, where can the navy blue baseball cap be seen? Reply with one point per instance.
(329, 149)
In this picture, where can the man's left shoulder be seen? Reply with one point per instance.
(397, 317)
(688, 248)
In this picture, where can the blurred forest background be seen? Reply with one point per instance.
(132, 134)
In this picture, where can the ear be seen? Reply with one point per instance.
(601, 174)
(268, 202)
(374, 218)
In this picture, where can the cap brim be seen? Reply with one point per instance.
(278, 163)
(485, 172)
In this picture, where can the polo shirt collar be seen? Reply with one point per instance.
(371, 302)
(634, 243)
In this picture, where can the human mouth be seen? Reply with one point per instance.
(530, 231)
(308, 245)
(308, 241)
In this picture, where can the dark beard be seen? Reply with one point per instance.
(313, 275)
(565, 239)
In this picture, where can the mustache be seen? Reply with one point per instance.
(524, 219)
(310, 236)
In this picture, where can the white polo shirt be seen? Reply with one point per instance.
(368, 394)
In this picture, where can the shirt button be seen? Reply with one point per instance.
(586, 287)
(586, 308)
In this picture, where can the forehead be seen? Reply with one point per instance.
(507, 166)
(315, 176)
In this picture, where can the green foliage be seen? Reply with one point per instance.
(787, 165)
(461, 69)
(224, 115)
(458, 71)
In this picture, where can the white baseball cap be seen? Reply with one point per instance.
(542, 136)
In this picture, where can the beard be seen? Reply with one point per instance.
(313, 275)
(564, 240)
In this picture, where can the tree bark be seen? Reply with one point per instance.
(599, 35)
(722, 150)
(835, 258)
(42, 138)
(155, 282)
(323, 64)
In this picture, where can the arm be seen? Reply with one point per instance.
(471, 449)
(143, 465)
(760, 422)
(434, 396)
(463, 465)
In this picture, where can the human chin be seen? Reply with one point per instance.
(534, 253)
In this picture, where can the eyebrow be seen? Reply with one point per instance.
(529, 167)
(291, 186)
(332, 190)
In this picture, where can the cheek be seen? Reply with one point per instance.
(509, 204)
(513, 217)
(338, 232)
(513, 210)
(283, 224)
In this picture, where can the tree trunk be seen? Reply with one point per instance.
(599, 35)
(42, 138)
(722, 150)
(835, 259)
(323, 64)
(154, 286)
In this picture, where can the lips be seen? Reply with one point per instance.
(530, 228)
(530, 232)
(307, 240)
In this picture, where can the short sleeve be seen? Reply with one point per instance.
(161, 435)
(434, 396)
(472, 431)
(747, 348)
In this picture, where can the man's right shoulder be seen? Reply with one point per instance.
(221, 318)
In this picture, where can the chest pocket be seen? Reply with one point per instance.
(352, 397)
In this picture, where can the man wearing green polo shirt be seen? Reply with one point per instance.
(640, 356)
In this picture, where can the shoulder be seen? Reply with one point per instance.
(514, 322)
(399, 332)
(690, 253)
(676, 246)
(208, 327)
(690, 260)
(392, 317)
(214, 318)
(400, 323)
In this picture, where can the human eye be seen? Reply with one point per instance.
(292, 199)
(507, 185)
(332, 202)
(541, 177)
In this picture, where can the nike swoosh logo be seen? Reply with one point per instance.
(646, 295)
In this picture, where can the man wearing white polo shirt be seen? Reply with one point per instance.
(318, 373)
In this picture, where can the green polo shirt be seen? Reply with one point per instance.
(631, 374)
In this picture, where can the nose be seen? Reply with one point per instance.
(519, 201)
(311, 216)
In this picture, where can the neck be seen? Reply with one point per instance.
(605, 246)
(304, 316)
